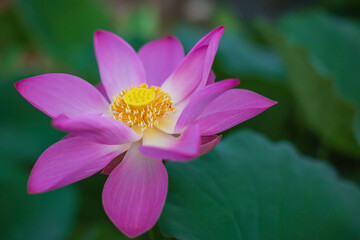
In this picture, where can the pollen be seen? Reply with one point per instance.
(141, 106)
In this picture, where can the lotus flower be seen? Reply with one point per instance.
(151, 106)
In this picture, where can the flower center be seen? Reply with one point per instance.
(141, 106)
(139, 97)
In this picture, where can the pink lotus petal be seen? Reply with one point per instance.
(119, 64)
(56, 94)
(135, 192)
(211, 40)
(208, 143)
(67, 136)
(68, 161)
(187, 77)
(168, 124)
(211, 78)
(200, 99)
(231, 108)
(113, 164)
(97, 128)
(160, 58)
(100, 87)
(158, 144)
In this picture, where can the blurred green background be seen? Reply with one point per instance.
(289, 173)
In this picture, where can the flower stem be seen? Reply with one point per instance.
(152, 234)
(155, 233)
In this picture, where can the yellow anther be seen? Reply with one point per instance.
(141, 106)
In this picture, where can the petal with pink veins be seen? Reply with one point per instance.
(69, 161)
(113, 164)
(160, 58)
(158, 144)
(61, 94)
(211, 78)
(211, 40)
(119, 65)
(187, 77)
(208, 143)
(134, 193)
(97, 128)
(100, 87)
(200, 99)
(231, 108)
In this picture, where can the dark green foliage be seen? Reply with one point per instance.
(250, 188)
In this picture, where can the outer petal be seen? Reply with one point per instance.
(158, 144)
(208, 143)
(135, 192)
(211, 78)
(231, 108)
(160, 58)
(100, 87)
(68, 161)
(113, 164)
(187, 77)
(97, 128)
(200, 99)
(211, 40)
(119, 64)
(57, 94)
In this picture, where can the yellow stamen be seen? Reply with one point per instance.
(141, 106)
